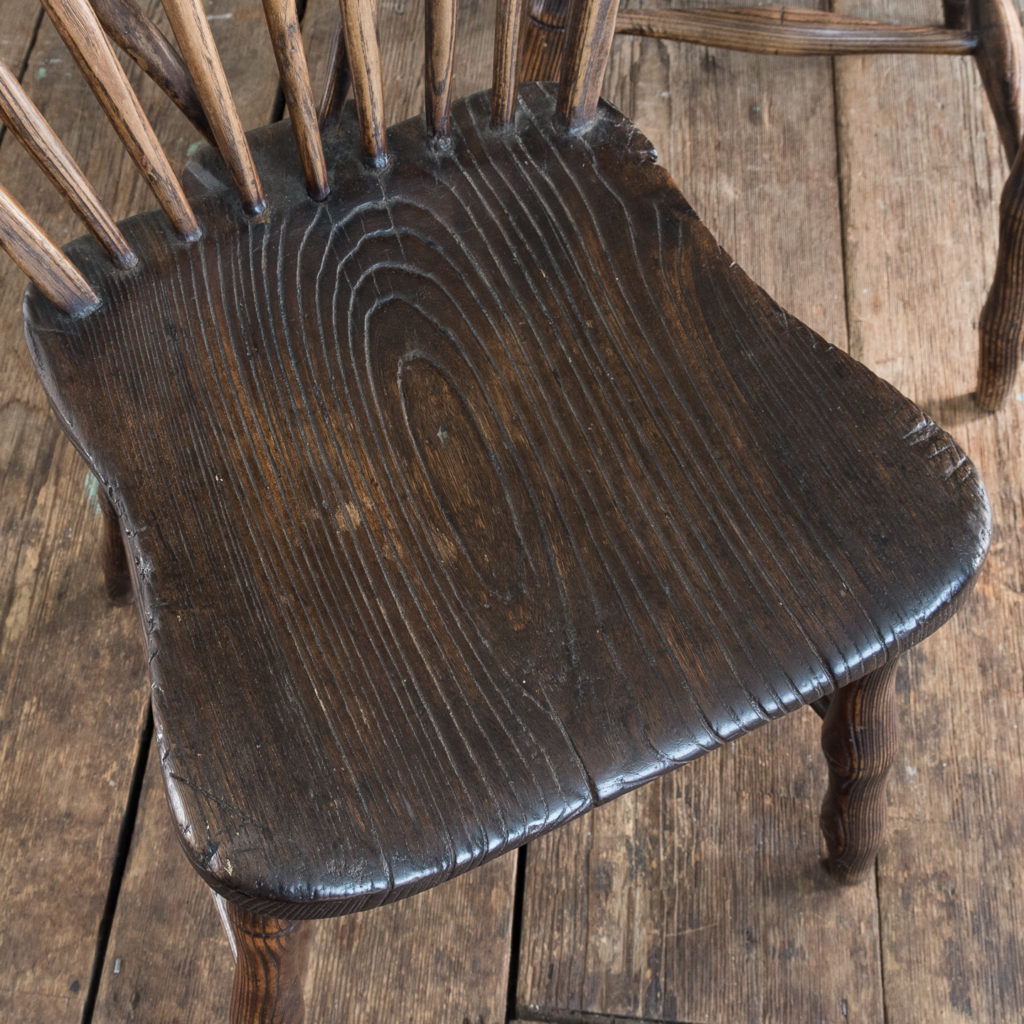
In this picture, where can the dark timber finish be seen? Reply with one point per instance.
(988, 30)
(272, 957)
(1001, 325)
(859, 741)
(117, 577)
(359, 24)
(488, 488)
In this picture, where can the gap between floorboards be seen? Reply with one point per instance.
(529, 1015)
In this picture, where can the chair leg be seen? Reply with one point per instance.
(269, 970)
(1000, 61)
(858, 737)
(1001, 327)
(116, 577)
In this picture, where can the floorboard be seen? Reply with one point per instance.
(923, 168)
(700, 897)
(438, 957)
(73, 691)
(863, 196)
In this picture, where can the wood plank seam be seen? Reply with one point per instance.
(126, 834)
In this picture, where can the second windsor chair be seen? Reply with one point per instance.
(465, 482)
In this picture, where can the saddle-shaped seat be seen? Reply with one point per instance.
(477, 494)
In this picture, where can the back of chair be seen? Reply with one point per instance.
(195, 80)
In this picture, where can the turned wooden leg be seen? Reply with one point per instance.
(1001, 328)
(116, 577)
(859, 740)
(271, 962)
(1000, 61)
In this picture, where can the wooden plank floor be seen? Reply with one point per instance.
(862, 193)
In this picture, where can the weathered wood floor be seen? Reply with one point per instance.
(862, 193)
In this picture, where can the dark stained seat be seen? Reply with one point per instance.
(475, 491)
(477, 494)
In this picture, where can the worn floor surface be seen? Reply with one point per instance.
(862, 193)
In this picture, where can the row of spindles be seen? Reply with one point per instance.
(193, 77)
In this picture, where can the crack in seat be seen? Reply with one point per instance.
(478, 494)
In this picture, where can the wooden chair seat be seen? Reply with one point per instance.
(478, 494)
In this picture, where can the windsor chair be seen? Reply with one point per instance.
(989, 31)
(462, 480)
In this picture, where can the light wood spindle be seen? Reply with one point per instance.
(130, 28)
(286, 35)
(591, 31)
(359, 20)
(791, 31)
(33, 131)
(53, 273)
(508, 31)
(192, 30)
(83, 35)
(439, 66)
(338, 79)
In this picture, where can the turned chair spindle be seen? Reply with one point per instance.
(359, 24)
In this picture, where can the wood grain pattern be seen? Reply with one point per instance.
(51, 271)
(701, 897)
(72, 678)
(336, 80)
(191, 29)
(1000, 60)
(508, 30)
(269, 974)
(73, 686)
(82, 34)
(588, 43)
(858, 738)
(359, 23)
(792, 30)
(33, 131)
(286, 35)
(951, 911)
(439, 69)
(1001, 324)
(134, 32)
(953, 916)
(440, 956)
(543, 51)
(524, 726)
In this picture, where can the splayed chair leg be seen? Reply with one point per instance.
(116, 577)
(271, 956)
(1000, 61)
(859, 740)
(1001, 328)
